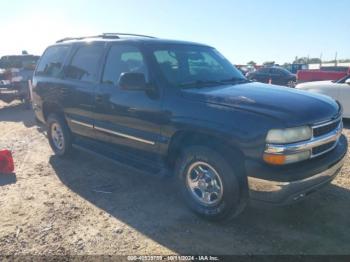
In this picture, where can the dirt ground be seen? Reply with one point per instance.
(86, 205)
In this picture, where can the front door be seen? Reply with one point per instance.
(130, 120)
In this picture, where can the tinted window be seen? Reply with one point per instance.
(51, 62)
(280, 71)
(85, 62)
(123, 59)
(342, 80)
(264, 71)
(276, 71)
(335, 68)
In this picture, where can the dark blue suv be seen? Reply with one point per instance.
(171, 107)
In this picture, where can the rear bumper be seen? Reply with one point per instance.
(272, 191)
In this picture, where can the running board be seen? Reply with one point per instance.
(121, 159)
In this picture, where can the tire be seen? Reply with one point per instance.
(225, 203)
(27, 104)
(59, 135)
(291, 84)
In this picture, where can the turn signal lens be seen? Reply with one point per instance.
(274, 159)
(286, 159)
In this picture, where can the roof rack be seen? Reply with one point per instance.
(104, 35)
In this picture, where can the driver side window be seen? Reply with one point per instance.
(123, 59)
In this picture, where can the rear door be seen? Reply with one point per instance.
(129, 120)
(78, 87)
(47, 80)
(278, 77)
(263, 75)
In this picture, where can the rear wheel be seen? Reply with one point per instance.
(291, 84)
(209, 183)
(59, 135)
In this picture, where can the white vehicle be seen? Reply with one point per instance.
(339, 90)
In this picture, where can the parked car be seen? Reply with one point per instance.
(338, 90)
(18, 61)
(274, 75)
(16, 71)
(180, 108)
(325, 73)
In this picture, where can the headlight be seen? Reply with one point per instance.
(289, 135)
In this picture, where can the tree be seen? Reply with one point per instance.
(314, 60)
(252, 63)
(301, 60)
(269, 63)
(307, 60)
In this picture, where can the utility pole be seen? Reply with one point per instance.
(335, 60)
(320, 60)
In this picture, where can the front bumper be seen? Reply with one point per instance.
(272, 191)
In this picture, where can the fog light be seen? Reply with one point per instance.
(274, 159)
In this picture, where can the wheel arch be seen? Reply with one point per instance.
(184, 138)
(52, 108)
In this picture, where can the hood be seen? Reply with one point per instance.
(288, 105)
(308, 85)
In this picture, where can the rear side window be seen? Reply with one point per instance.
(51, 62)
(123, 59)
(85, 63)
(264, 70)
(276, 71)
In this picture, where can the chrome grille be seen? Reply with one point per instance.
(323, 130)
(319, 150)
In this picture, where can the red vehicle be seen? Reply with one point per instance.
(325, 73)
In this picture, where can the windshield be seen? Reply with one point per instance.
(341, 80)
(189, 65)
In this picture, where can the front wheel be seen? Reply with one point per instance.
(59, 135)
(209, 183)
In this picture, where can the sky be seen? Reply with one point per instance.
(242, 30)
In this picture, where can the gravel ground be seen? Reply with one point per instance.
(85, 205)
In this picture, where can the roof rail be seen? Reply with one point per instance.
(77, 38)
(104, 35)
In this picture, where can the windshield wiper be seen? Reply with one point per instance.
(200, 83)
(234, 80)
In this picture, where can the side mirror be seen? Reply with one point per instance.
(347, 81)
(132, 81)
